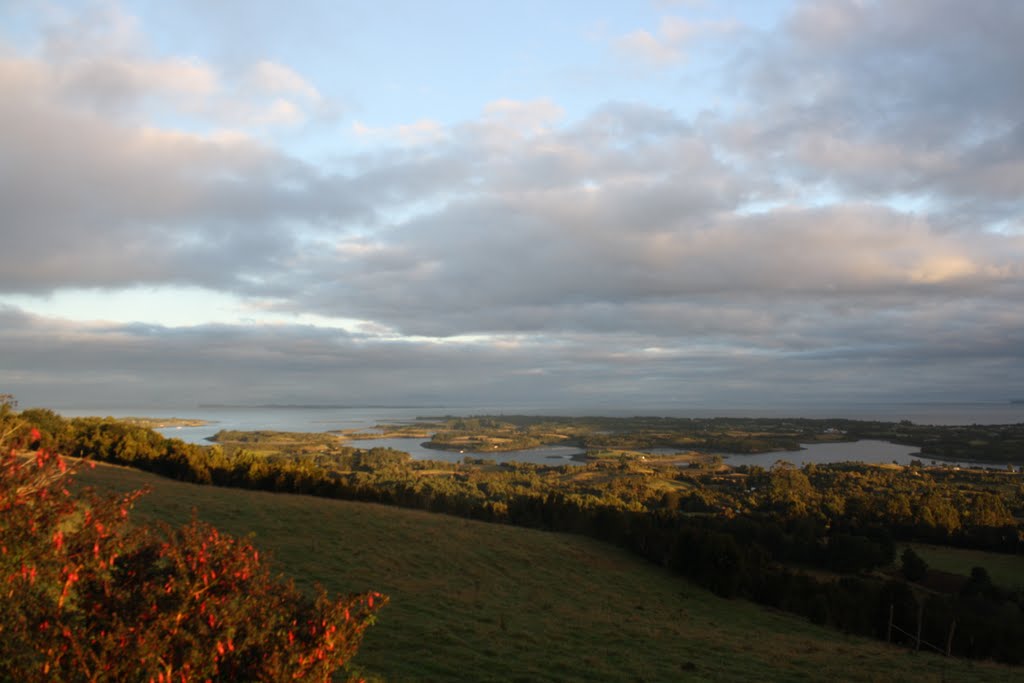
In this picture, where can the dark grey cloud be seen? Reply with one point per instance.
(100, 366)
(532, 265)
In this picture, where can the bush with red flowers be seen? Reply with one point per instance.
(87, 596)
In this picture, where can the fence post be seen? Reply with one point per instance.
(920, 618)
(949, 639)
(888, 631)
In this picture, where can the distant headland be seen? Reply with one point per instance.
(307, 406)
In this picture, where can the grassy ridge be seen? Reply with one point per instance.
(472, 601)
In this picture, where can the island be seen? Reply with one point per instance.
(164, 422)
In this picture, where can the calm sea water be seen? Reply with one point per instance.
(327, 419)
(275, 419)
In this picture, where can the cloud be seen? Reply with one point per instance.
(101, 61)
(848, 224)
(918, 99)
(648, 48)
(98, 60)
(276, 79)
(418, 133)
(91, 202)
(112, 85)
(98, 201)
(627, 210)
(101, 365)
(148, 364)
(539, 266)
(667, 45)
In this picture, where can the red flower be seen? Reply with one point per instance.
(36, 436)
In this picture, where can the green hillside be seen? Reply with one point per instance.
(475, 601)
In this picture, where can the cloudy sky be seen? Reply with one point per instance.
(581, 203)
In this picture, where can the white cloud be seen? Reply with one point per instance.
(655, 50)
(667, 45)
(279, 112)
(275, 79)
(412, 134)
(110, 84)
(528, 118)
(102, 61)
(98, 28)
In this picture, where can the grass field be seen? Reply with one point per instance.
(1006, 571)
(478, 602)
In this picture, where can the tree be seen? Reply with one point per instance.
(81, 586)
(979, 583)
(789, 490)
(914, 568)
(987, 509)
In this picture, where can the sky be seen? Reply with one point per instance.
(575, 204)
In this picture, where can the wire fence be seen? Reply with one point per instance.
(916, 636)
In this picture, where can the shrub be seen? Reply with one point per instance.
(88, 596)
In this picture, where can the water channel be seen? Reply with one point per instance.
(868, 451)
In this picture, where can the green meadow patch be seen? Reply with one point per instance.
(1006, 571)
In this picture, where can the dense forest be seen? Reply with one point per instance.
(820, 541)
